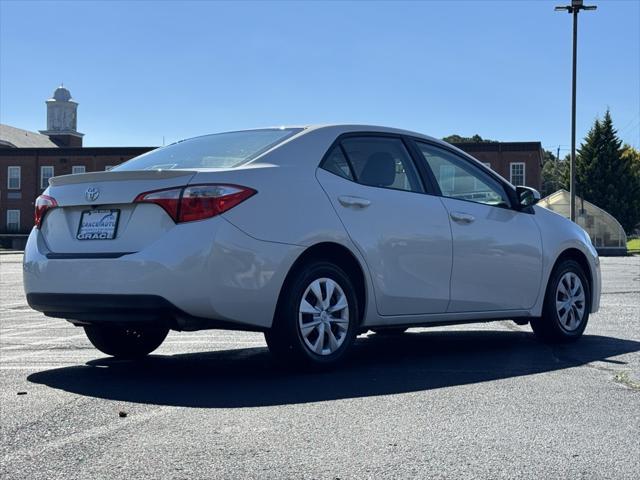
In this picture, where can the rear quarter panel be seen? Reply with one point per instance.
(290, 207)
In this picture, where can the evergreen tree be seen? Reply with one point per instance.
(632, 155)
(605, 177)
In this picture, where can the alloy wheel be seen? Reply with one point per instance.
(570, 301)
(323, 316)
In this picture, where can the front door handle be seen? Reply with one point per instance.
(356, 202)
(462, 218)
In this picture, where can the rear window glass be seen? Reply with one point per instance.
(221, 150)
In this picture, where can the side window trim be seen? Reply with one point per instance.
(508, 191)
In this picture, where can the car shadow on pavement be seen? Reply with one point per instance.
(379, 365)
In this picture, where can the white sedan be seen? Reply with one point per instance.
(311, 235)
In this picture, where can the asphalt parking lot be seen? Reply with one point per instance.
(475, 401)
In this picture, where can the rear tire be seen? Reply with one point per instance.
(567, 304)
(126, 342)
(317, 318)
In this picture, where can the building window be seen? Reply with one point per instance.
(108, 167)
(13, 220)
(13, 178)
(78, 169)
(46, 172)
(516, 171)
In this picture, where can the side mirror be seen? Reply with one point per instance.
(527, 196)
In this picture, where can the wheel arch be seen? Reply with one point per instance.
(342, 257)
(579, 257)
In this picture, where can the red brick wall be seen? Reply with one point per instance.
(501, 155)
(62, 160)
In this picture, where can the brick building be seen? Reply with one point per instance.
(29, 159)
(25, 172)
(518, 162)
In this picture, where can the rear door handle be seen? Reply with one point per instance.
(356, 202)
(462, 218)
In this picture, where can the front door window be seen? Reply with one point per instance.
(460, 179)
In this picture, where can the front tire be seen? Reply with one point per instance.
(565, 312)
(317, 318)
(126, 342)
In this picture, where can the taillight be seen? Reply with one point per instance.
(167, 199)
(43, 204)
(197, 202)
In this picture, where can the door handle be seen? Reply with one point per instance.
(462, 218)
(357, 202)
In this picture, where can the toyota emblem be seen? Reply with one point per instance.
(92, 194)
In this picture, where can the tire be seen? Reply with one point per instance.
(126, 343)
(390, 331)
(307, 332)
(560, 323)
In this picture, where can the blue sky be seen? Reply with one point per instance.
(142, 71)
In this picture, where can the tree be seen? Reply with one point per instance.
(606, 177)
(553, 174)
(632, 155)
(458, 139)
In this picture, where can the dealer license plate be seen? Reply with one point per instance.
(98, 225)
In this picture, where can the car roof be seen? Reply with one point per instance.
(339, 129)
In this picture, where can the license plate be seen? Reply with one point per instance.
(98, 225)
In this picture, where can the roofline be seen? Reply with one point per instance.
(498, 145)
(62, 151)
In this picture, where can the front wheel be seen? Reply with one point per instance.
(565, 312)
(126, 342)
(317, 319)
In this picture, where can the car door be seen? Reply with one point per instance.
(497, 250)
(402, 233)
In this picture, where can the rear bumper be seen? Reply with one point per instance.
(123, 310)
(207, 271)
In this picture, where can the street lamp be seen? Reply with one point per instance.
(574, 8)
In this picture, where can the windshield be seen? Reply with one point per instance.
(221, 150)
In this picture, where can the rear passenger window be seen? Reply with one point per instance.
(382, 162)
(337, 163)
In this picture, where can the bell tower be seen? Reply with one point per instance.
(62, 119)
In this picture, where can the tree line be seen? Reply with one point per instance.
(607, 173)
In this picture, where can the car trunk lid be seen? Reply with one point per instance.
(108, 197)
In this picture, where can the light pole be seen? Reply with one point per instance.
(574, 8)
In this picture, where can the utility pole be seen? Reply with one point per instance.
(574, 8)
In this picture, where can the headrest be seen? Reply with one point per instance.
(379, 171)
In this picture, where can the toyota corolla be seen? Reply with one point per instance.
(311, 235)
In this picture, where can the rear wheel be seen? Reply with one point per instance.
(126, 342)
(566, 305)
(317, 318)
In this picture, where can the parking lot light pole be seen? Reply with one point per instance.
(574, 8)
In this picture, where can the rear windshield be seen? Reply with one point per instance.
(221, 150)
